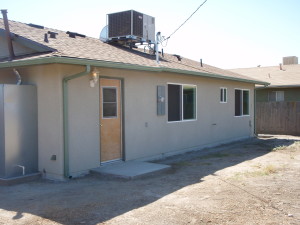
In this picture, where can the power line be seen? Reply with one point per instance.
(186, 20)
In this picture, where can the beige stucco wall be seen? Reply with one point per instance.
(84, 123)
(159, 137)
(215, 122)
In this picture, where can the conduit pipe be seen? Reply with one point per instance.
(19, 78)
(65, 117)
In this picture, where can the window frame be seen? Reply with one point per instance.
(181, 102)
(242, 102)
(223, 94)
(276, 96)
(117, 103)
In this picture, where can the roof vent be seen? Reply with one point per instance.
(35, 26)
(46, 38)
(178, 57)
(74, 34)
(52, 34)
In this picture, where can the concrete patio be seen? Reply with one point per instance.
(130, 169)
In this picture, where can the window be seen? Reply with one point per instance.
(242, 102)
(223, 95)
(276, 96)
(181, 102)
(109, 102)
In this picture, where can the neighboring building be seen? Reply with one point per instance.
(99, 102)
(283, 95)
(284, 80)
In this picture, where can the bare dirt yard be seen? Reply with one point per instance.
(251, 182)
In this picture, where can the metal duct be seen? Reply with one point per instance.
(8, 37)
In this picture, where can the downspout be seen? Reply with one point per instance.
(65, 117)
(8, 37)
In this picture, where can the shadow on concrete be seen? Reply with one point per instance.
(91, 200)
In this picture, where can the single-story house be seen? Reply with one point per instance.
(278, 104)
(99, 103)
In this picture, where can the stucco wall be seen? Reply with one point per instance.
(84, 123)
(146, 134)
(160, 137)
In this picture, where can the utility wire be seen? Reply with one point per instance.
(186, 20)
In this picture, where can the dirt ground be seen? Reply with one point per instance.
(252, 182)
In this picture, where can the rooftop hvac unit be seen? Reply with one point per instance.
(131, 25)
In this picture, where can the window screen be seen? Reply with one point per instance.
(238, 108)
(181, 102)
(174, 101)
(245, 102)
(189, 102)
(242, 104)
(109, 106)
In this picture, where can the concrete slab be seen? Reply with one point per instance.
(130, 169)
(20, 179)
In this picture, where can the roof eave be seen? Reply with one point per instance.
(28, 43)
(211, 75)
(117, 65)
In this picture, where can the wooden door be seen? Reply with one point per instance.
(110, 120)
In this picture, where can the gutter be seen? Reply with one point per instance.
(117, 65)
(65, 117)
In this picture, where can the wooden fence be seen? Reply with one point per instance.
(278, 118)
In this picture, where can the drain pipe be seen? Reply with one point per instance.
(19, 78)
(65, 117)
(23, 169)
(7, 33)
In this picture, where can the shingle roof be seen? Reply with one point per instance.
(289, 75)
(94, 49)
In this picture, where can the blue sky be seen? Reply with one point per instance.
(224, 33)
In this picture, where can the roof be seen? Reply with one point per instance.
(288, 76)
(92, 51)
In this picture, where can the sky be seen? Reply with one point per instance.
(223, 33)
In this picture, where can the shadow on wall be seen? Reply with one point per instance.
(91, 200)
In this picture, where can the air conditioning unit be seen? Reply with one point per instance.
(131, 25)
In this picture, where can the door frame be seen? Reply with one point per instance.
(123, 152)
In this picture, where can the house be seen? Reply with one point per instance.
(277, 104)
(98, 102)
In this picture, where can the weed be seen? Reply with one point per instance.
(278, 148)
(263, 171)
(269, 169)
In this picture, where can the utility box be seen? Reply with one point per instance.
(131, 25)
(18, 130)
